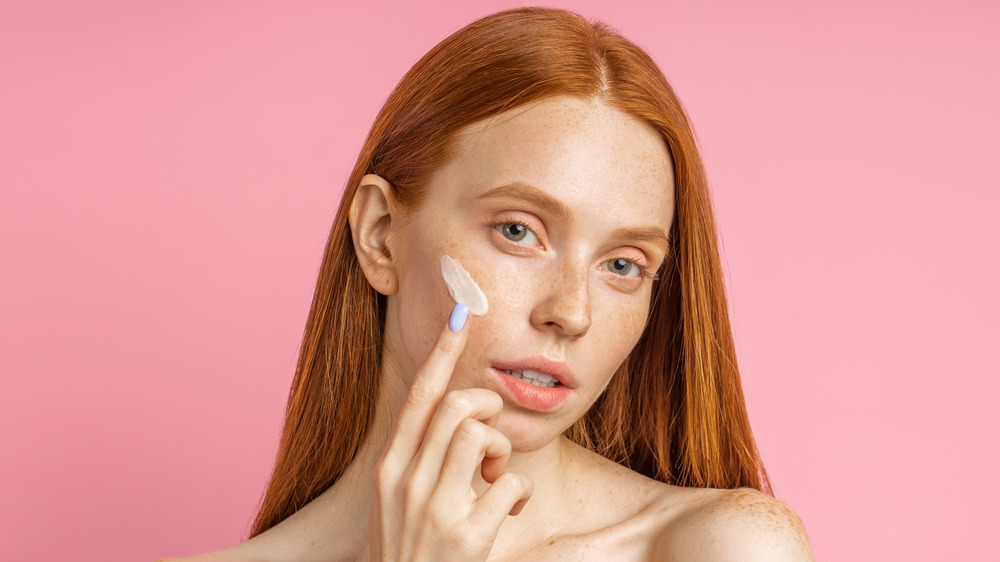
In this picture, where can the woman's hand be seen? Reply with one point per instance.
(424, 507)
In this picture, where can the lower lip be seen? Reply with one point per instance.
(525, 394)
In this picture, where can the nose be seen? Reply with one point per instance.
(565, 307)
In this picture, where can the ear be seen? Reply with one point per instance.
(371, 218)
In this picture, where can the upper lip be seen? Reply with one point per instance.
(559, 370)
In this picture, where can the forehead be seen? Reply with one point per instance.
(582, 152)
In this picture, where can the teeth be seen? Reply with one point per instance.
(536, 378)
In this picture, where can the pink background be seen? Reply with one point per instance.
(169, 172)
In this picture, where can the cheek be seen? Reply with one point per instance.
(422, 302)
(619, 325)
(634, 323)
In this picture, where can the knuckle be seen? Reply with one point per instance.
(420, 393)
(527, 485)
(505, 445)
(414, 489)
(513, 484)
(437, 516)
(457, 402)
(472, 429)
(384, 475)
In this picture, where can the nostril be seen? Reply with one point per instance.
(565, 307)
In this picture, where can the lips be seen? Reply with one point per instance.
(562, 373)
(526, 382)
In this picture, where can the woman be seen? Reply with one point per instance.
(595, 410)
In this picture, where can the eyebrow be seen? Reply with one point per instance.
(653, 234)
(531, 194)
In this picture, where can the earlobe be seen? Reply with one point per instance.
(371, 218)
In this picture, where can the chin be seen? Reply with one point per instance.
(528, 433)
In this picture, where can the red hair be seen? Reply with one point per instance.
(674, 411)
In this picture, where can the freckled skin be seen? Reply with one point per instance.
(553, 297)
(741, 524)
(611, 171)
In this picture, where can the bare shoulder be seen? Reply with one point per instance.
(741, 524)
(208, 557)
(243, 552)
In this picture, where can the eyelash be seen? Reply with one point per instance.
(644, 271)
(517, 222)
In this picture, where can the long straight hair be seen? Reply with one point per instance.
(674, 411)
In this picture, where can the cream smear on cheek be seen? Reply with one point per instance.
(461, 286)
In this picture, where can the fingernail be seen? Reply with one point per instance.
(458, 316)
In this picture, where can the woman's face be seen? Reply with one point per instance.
(560, 212)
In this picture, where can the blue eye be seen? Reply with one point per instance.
(623, 267)
(516, 232)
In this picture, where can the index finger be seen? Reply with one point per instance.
(429, 384)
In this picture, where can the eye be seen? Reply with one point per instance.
(517, 232)
(623, 267)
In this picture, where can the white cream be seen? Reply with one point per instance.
(462, 288)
